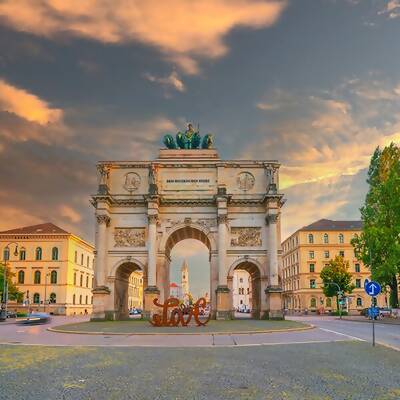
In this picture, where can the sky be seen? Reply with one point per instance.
(312, 83)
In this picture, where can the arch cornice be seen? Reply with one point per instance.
(182, 226)
(125, 260)
(245, 260)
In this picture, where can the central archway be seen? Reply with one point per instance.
(175, 236)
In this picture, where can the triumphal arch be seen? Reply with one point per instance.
(143, 208)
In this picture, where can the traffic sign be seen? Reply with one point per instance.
(372, 288)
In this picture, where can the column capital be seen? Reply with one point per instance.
(153, 218)
(271, 219)
(103, 219)
(222, 219)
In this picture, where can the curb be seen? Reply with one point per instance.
(305, 328)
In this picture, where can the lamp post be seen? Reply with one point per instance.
(339, 292)
(5, 283)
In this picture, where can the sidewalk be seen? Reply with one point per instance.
(388, 321)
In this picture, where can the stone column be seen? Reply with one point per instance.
(223, 292)
(101, 292)
(151, 291)
(273, 291)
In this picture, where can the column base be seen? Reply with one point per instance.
(150, 293)
(224, 309)
(100, 301)
(274, 304)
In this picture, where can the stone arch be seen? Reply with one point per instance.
(120, 275)
(254, 268)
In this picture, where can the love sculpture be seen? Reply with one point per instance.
(177, 313)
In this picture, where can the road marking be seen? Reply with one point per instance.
(343, 334)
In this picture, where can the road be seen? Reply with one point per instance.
(385, 334)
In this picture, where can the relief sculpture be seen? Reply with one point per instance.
(246, 237)
(129, 237)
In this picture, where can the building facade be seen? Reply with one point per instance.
(143, 208)
(241, 284)
(136, 290)
(306, 252)
(53, 269)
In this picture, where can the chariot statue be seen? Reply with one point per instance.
(190, 139)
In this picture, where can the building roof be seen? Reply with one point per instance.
(173, 284)
(46, 228)
(330, 225)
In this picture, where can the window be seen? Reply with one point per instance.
(87, 261)
(241, 301)
(36, 277)
(21, 276)
(312, 267)
(312, 284)
(54, 253)
(22, 254)
(310, 238)
(53, 277)
(313, 302)
(357, 267)
(53, 298)
(358, 283)
(87, 282)
(341, 238)
(326, 253)
(38, 253)
(329, 302)
(341, 253)
(359, 302)
(76, 257)
(74, 278)
(73, 299)
(6, 254)
(87, 300)
(248, 290)
(80, 299)
(241, 280)
(311, 254)
(326, 238)
(36, 298)
(81, 281)
(81, 259)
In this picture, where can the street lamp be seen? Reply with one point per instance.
(339, 293)
(3, 314)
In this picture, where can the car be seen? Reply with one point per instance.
(36, 319)
(11, 314)
(385, 312)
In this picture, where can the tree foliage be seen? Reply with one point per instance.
(378, 245)
(13, 292)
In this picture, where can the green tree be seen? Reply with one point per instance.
(378, 245)
(336, 271)
(13, 292)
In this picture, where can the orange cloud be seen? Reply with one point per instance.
(26, 105)
(181, 29)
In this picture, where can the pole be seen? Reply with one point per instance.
(45, 291)
(373, 321)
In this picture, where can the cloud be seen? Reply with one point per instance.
(171, 81)
(26, 105)
(182, 30)
(68, 212)
(391, 9)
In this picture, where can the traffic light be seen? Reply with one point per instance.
(374, 302)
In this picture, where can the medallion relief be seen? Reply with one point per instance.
(246, 237)
(245, 181)
(132, 182)
(129, 237)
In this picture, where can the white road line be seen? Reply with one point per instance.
(343, 334)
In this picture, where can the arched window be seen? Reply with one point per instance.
(36, 298)
(22, 254)
(21, 276)
(36, 277)
(326, 238)
(341, 238)
(38, 253)
(329, 302)
(80, 299)
(359, 302)
(73, 299)
(310, 238)
(6, 254)
(54, 253)
(53, 298)
(313, 302)
(53, 277)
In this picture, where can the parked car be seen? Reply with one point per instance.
(36, 319)
(385, 312)
(11, 314)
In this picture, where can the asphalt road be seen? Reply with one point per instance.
(385, 334)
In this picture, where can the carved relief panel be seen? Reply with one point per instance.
(130, 237)
(246, 237)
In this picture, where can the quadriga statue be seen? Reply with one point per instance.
(190, 139)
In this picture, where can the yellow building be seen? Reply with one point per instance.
(306, 252)
(53, 269)
(135, 290)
